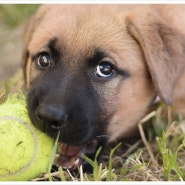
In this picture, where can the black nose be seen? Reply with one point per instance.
(53, 116)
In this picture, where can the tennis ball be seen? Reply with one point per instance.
(24, 150)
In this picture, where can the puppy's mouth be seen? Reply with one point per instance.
(71, 157)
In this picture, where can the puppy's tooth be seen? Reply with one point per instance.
(64, 167)
(57, 165)
(77, 161)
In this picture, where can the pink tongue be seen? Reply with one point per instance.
(69, 150)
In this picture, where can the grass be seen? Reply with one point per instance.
(169, 159)
(12, 15)
(157, 155)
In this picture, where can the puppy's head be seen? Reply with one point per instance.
(93, 71)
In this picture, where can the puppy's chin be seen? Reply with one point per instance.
(72, 147)
(71, 157)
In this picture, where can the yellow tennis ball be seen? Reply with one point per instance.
(24, 150)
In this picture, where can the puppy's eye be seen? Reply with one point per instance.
(104, 69)
(44, 60)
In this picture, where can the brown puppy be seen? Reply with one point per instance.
(93, 71)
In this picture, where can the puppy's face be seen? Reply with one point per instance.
(88, 77)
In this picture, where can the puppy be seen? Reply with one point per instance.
(93, 71)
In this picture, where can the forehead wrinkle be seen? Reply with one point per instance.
(94, 33)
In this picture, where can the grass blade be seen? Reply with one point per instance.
(52, 157)
(62, 175)
(109, 175)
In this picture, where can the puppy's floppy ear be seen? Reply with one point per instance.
(30, 28)
(25, 53)
(163, 48)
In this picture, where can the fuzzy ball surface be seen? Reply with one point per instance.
(24, 150)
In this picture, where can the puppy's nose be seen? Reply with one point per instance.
(55, 117)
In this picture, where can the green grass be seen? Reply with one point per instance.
(52, 157)
(169, 159)
(12, 15)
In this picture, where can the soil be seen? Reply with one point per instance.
(10, 51)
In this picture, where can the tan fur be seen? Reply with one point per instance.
(146, 40)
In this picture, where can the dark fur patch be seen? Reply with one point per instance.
(52, 45)
(79, 101)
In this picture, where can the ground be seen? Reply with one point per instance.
(10, 51)
(13, 18)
